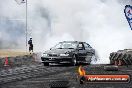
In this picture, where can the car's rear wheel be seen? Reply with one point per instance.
(74, 61)
(91, 58)
(46, 64)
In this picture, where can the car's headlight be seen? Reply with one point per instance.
(64, 54)
(45, 55)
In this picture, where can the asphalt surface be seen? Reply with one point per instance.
(63, 75)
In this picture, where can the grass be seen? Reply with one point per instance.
(12, 53)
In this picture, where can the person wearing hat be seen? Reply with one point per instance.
(30, 45)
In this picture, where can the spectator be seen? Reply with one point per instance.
(30, 45)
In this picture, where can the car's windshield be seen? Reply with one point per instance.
(66, 45)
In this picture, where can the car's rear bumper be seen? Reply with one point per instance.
(56, 59)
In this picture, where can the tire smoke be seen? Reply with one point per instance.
(101, 23)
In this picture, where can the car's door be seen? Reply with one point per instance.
(89, 51)
(81, 52)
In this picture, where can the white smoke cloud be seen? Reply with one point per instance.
(101, 23)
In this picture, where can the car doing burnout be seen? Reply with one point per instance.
(72, 52)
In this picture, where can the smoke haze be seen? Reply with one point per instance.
(101, 23)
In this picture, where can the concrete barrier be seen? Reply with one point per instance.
(20, 60)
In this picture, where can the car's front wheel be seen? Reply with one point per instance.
(46, 64)
(74, 60)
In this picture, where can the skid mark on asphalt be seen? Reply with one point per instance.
(66, 73)
(23, 73)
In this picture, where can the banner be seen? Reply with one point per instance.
(128, 14)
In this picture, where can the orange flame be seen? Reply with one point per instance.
(81, 71)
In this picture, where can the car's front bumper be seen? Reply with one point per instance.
(56, 59)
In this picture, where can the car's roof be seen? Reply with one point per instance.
(72, 41)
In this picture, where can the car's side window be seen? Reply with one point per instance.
(80, 46)
(87, 46)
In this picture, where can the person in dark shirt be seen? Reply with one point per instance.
(30, 45)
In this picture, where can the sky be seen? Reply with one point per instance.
(101, 23)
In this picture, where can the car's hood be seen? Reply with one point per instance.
(58, 51)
